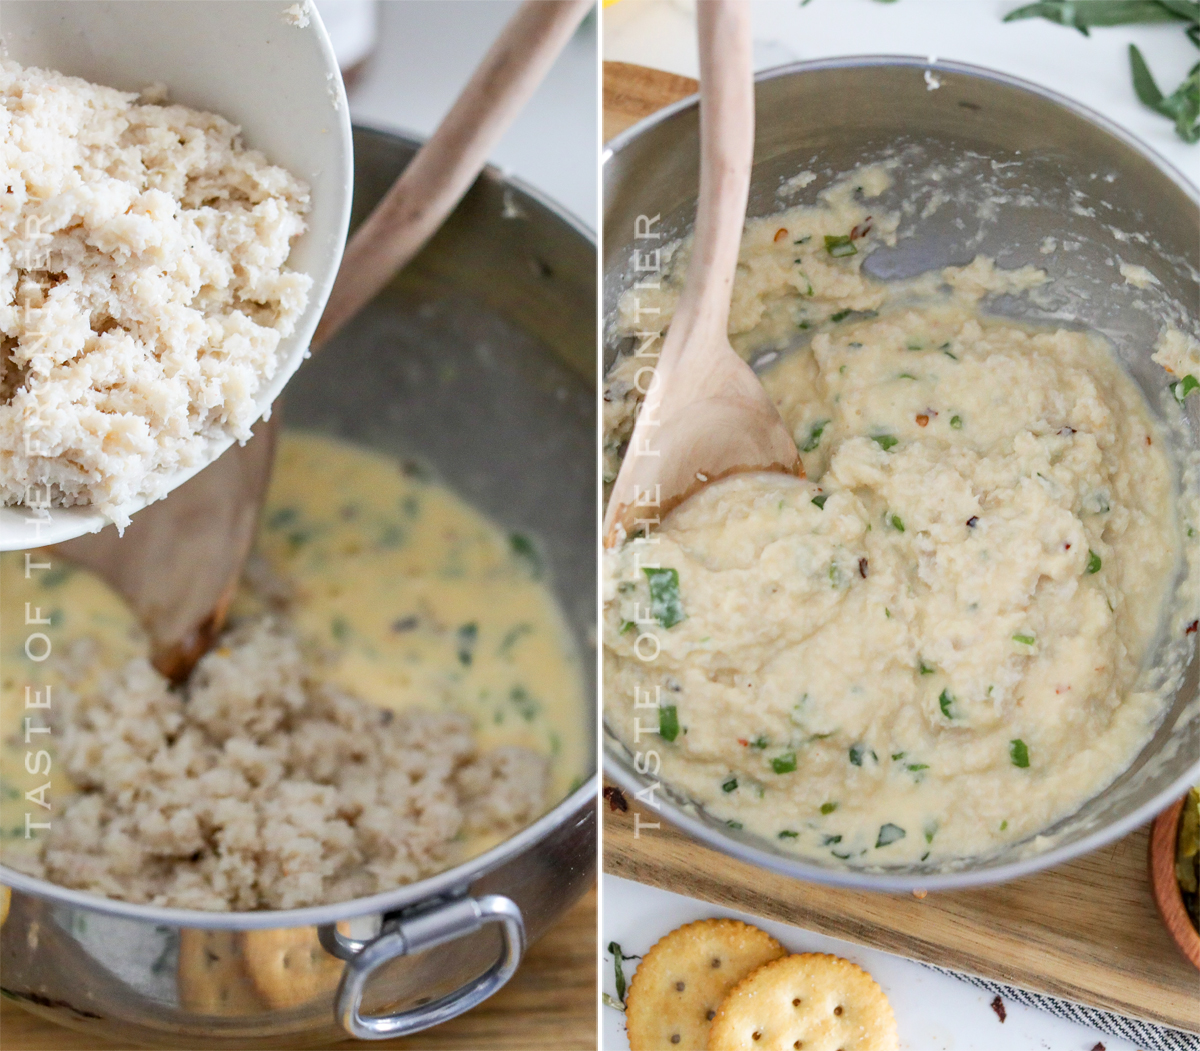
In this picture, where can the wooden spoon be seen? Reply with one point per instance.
(180, 560)
(706, 415)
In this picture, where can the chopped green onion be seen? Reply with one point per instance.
(897, 524)
(734, 824)
(814, 436)
(839, 245)
(1018, 752)
(886, 441)
(914, 767)
(888, 834)
(1093, 562)
(626, 627)
(668, 722)
(787, 833)
(820, 500)
(841, 315)
(729, 784)
(857, 751)
(665, 604)
(944, 702)
(827, 841)
(924, 668)
(956, 422)
(784, 764)
(1185, 387)
(828, 808)
(1024, 640)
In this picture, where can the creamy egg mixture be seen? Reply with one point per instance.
(410, 597)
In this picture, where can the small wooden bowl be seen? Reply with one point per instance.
(1167, 895)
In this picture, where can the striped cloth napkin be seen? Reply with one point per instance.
(1146, 1035)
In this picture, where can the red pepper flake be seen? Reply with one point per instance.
(998, 1007)
(616, 799)
(862, 568)
(781, 233)
(743, 742)
(922, 420)
(1191, 628)
(1067, 546)
(862, 229)
(1148, 441)
(1098, 1047)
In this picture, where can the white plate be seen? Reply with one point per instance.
(245, 61)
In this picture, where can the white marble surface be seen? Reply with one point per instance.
(1093, 70)
(427, 51)
(933, 1012)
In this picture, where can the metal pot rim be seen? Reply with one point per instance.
(621, 140)
(884, 881)
(445, 883)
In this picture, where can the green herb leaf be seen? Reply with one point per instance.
(820, 500)
(1184, 387)
(897, 524)
(839, 245)
(1018, 752)
(618, 970)
(1182, 105)
(828, 808)
(787, 833)
(944, 702)
(665, 604)
(1085, 14)
(1024, 640)
(1093, 562)
(784, 764)
(956, 422)
(814, 436)
(668, 722)
(885, 441)
(729, 784)
(889, 833)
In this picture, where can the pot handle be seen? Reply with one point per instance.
(415, 934)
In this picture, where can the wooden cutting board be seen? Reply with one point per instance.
(550, 1005)
(1087, 931)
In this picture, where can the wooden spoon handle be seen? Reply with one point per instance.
(726, 156)
(446, 166)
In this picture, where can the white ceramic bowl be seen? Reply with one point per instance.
(249, 63)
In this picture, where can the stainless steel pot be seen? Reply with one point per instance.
(478, 361)
(1011, 164)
